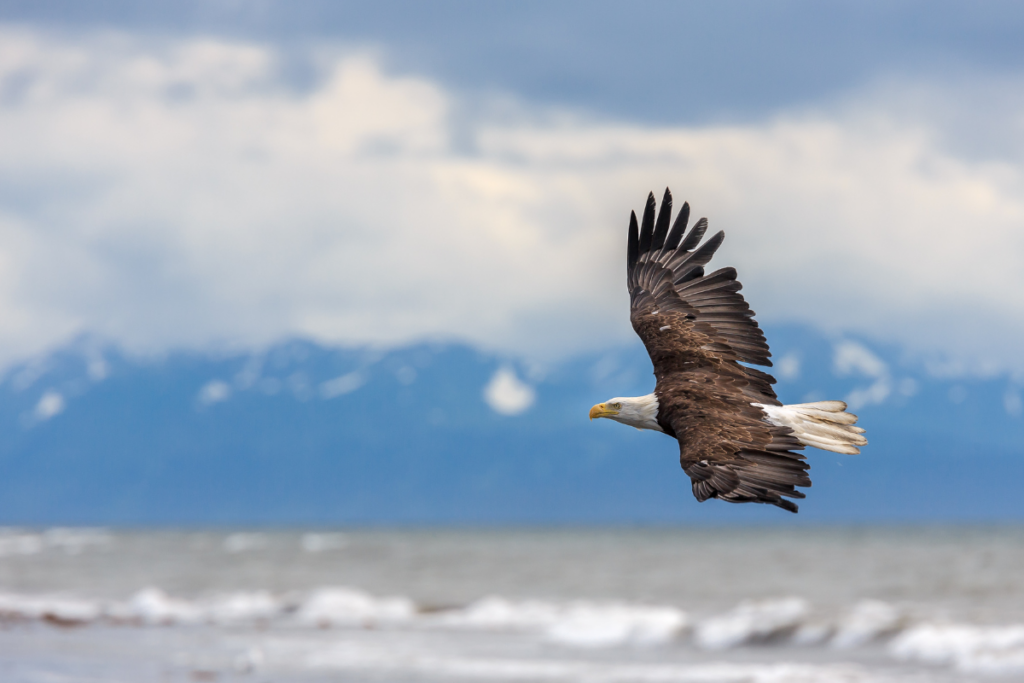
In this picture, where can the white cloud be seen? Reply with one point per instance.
(788, 367)
(406, 375)
(507, 394)
(345, 384)
(179, 193)
(852, 358)
(50, 404)
(214, 391)
(97, 368)
(873, 394)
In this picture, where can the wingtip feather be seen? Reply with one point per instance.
(633, 245)
(661, 224)
(647, 225)
(678, 228)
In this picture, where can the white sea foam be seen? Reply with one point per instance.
(243, 542)
(61, 610)
(582, 624)
(71, 541)
(412, 661)
(867, 621)
(754, 621)
(348, 606)
(977, 649)
(154, 607)
(243, 607)
(318, 543)
(74, 541)
(494, 612)
(812, 632)
(13, 543)
(617, 624)
(579, 623)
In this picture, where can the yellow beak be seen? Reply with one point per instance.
(602, 410)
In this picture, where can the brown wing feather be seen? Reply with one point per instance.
(698, 329)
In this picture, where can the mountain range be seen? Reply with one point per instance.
(442, 433)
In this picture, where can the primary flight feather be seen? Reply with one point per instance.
(737, 442)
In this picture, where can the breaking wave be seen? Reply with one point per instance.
(789, 622)
(14, 542)
(580, 623)
(974, 649)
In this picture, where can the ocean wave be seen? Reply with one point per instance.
(54, 609)
(323, 542)
(245, 542)
(322, 608)
(974, 649)
(152, 606)
(752, 622)
(15, 541)
(148, 607)
(868, 621)
(415, 662)
(349, 607)
(780, 622)
(580, 623)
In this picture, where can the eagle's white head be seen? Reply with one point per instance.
(640, 411)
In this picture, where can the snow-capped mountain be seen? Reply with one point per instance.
(443, 433)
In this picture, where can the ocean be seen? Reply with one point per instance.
(707, 605)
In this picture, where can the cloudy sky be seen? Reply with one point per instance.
(216, 174)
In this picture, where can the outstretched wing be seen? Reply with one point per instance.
(698, 329)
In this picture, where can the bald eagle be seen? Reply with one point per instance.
(737, 442)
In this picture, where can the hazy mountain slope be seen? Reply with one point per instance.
(303, 434)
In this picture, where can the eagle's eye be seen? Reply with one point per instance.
(617, 406)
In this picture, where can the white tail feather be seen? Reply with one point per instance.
(824, 424)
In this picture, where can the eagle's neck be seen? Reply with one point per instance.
(640, 412)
